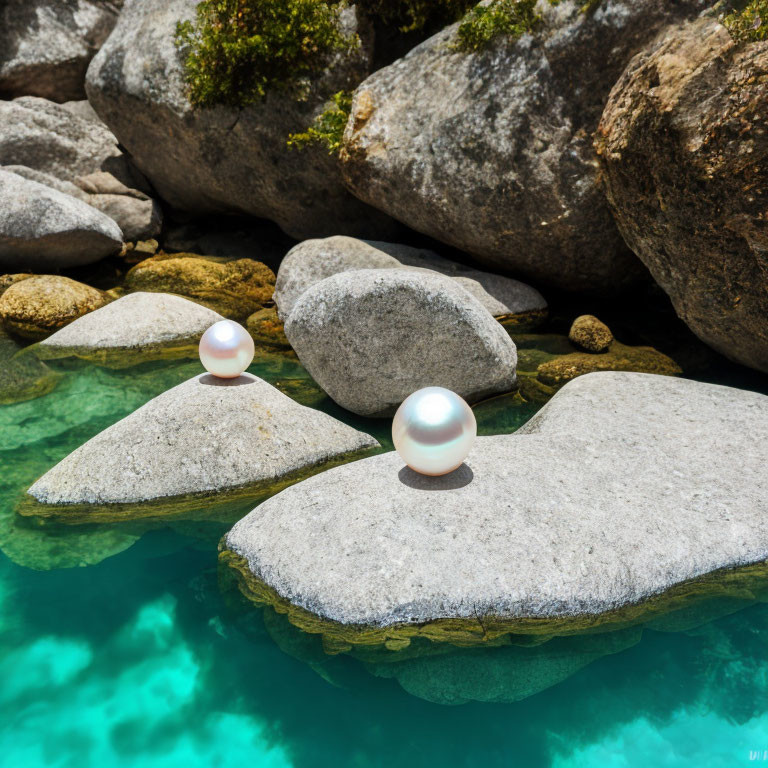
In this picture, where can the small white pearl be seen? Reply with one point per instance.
(433, 431)
(226, 349)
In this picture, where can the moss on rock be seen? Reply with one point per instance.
(748, 22)
(591, 335)
(267, 330)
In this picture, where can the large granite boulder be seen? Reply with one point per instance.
(134, 329)
(606, 509)
(234, 288)
(371, 337)
(314, 260)
(491, 151)
(42, 228)
(42, 304)
(46, 45)
(199, 444)
(224, 158)
(54, 145)
(685, 157)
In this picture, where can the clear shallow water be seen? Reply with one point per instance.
(140, 659)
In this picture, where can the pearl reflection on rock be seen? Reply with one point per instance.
(226, 349)
(434, 430)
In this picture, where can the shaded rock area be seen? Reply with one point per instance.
(234, 289)
(201, 443)
(46, 45)
(42, 304)
(491, 151)
(683, 147)
(22, 377)
(224, 159)
(134, 329)
(57, 145)
(314, 260)
(372, 337)
(267, 330)
(42, 228)
(556, 541)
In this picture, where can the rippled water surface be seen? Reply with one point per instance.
(120, 648)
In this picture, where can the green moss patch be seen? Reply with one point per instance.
(328, 128)
(748, 22)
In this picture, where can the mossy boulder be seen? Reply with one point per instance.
(590, 334)
(234, 289)
(6, 281)
(267, 329)
(39, 306)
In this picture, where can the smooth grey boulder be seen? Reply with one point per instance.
(491, 151)
(80, 156)
(205, 435)
(45, 45)
(42, 228)
(313, 260)
(224, 159)
(133, 329)
(371, 337)
(608, 497)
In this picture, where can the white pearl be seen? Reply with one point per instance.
(433, 431)
(226, 349)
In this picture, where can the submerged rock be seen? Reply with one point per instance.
(684, 151)
(590, 334)
(372, 337)
(314, 260)
(42, 228)
(54, 145)
(234, 289)
(490, 151)
(22, 377)
(45, 45)
(134, 329)
(604, 510)
(42, 304)
(199, 444)
(224, 159)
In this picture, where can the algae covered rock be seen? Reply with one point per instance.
(234, 289)
(604, 511)
(199, 444)
(22, 377)
(267, 330)
(133, 329)
(40, 305)
(42, 228)
(684, 151)
(314, 260)
(372, 337)
(590, 334)
(490, 150)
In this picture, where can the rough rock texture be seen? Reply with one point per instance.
(607, 497)
(77, 155)
(314, 260)
(22, 377)
(205, 435)
(267, 330)
(684, 150)
(492, 153)
(133, 329)
(223, 159)
(41, 305)
(590, 334)
(235, 289)
(372, 337)
(45, 45)
(41, 227)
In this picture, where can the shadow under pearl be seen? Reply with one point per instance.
(459, 478)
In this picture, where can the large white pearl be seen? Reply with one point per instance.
(226, 349)
(433, 431)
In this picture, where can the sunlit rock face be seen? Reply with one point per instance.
(607, 497)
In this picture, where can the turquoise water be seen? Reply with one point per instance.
(121, 648)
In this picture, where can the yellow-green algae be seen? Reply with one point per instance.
(748, 582)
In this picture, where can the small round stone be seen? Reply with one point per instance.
(434, 430)
(226, 349)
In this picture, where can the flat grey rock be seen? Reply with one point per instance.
(622, 487)
(133, 324)
(372, 337)
(42, 228)
(207, 434)
(313, 260)
(75, 153)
